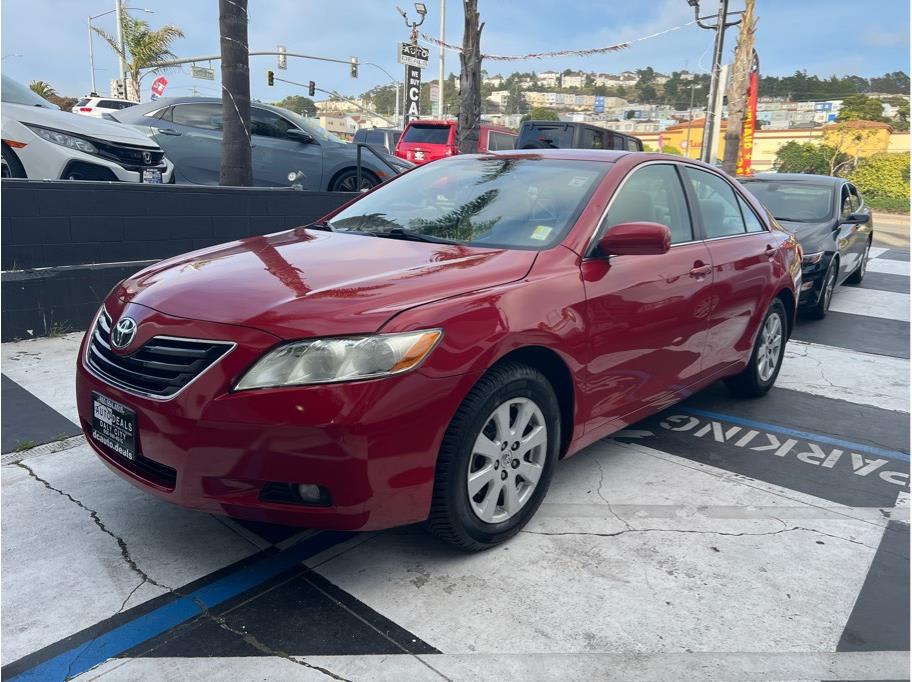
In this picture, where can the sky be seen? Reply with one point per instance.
(824, 37)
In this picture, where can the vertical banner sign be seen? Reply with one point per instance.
(412, 92)
(158, 87)
(750, 121)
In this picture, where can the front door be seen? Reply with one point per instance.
(275, 153)
(646, 315)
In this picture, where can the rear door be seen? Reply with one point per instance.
(275, 154)
(742, 253)
(647, 315)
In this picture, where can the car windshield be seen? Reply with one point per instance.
(16, 93)
(310, 125)
(799, 202)
(507, 202)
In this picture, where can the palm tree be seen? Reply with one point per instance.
(143, 47)
(42, 89)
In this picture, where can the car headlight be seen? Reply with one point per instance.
(64, 139)
(344, 358)
(812, 258)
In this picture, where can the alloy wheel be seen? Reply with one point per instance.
(770, 347)
(829, 287)
(350, 183)
(864, 260)
(507, 460)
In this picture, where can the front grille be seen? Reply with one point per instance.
(160, 368)
(129, 155)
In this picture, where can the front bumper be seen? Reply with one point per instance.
(372, 444)
(45, 160)
(812, 277)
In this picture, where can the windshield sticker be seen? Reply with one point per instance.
(577, 181)
(541, 232)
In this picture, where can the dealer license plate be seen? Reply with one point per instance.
(114, 425)
(152, 175)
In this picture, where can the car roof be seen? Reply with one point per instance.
(606, 155)
(808, 178)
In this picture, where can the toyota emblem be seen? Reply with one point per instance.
(123, 332)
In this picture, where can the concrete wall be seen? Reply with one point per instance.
(66, 244)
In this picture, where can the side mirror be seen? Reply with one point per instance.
(635, 239)
(858, 219)
(300, 136)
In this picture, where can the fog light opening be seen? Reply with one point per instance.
(309, 494)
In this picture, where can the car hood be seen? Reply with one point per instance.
(307, 283)
(88, 126)
(813, 237)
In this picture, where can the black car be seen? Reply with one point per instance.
(832, 224)
(566, 135)
(382, 139)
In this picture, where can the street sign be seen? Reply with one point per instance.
(435, 92)
(412, 92)
(413, 55)
(158, 87)
(202, 72)
(282, 58)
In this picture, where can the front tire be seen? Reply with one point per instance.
(819, 310)
(766, 360)
(497, 458)
(347, 181)
(858, 275)
(11, 166)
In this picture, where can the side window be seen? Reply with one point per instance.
(499, 141)
(268, 124)
(856, 199)
(845, 202)
(206, 116)
(618, 142)
(716, 201)
(591, 138)
(634, 145)
(374, 137)
(751, 221)
(654, 194)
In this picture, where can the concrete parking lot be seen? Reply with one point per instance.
(721, 539)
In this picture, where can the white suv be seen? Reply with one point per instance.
(99, 106)
(41, 142)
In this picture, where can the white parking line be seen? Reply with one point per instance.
(871, 302)
(876, 251)
(849, 375)
(889, 267)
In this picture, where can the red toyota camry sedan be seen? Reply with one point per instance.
(428, 352)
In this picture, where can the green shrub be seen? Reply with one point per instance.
(666, 149)
(888, 205)
(883, 177)
(808, 157)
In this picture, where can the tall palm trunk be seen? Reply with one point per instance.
(470, 81)
(236, 168)
(737, 88)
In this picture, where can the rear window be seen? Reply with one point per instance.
(112, 104)
(547, 137)
(427, 134)
(82, 102)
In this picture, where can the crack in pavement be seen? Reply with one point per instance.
(601, 482)
(146, 578)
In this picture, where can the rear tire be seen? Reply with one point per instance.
(11, 167)
(858, 275)
(766, 360)
(482, 452)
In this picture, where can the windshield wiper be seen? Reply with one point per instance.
(399, 233)
(321, 225)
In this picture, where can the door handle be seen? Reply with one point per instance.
(700, 270)
(770, 251)
(168, 131)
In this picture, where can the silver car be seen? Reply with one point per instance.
(189, 129)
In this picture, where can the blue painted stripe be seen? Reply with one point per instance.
(87, 655)
(806, 435)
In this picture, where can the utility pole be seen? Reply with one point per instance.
(121, 52)
(707, 152)
(690, 118)
(440, 68)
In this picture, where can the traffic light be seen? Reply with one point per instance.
(270, 78)
(311, 88)
(354, 67)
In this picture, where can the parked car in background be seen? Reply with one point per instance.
(189, 129)
(99, 106)
(429, 351)
(834, 227)
(426, 140)
(383, 139)
(568, 135)
(41, 142)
